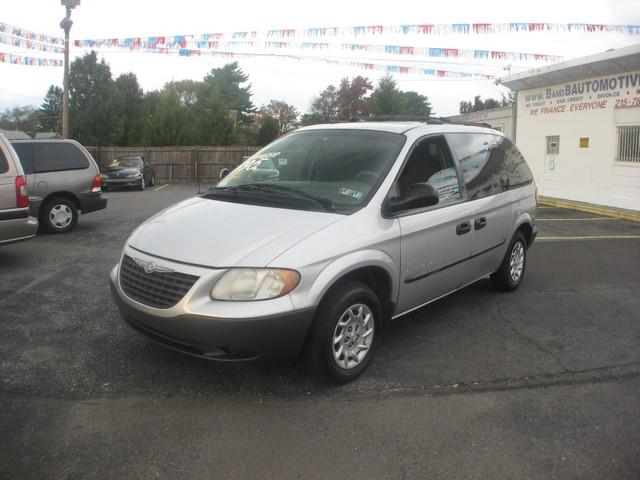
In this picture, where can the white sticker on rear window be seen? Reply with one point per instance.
(283, 162)
(350, 193)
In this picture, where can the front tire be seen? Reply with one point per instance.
(511, 272)
(143, 184)
(60, 215)
(345, 332)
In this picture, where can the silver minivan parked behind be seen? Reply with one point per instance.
(63, 181)
(15, 222)
(322, 237)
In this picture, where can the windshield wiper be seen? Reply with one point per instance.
(325, 203)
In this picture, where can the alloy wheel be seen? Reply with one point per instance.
(353, 336)
(516, 262)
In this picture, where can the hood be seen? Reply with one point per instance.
(223, 234)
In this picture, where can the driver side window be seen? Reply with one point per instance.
(431, 162)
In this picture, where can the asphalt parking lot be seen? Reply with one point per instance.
(543, 383)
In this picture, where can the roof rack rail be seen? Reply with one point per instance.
(442, 120)
(412, 118)
(389, 118)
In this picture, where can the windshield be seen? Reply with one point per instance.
(324, 170)
(126, 162)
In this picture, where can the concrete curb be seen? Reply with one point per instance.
(597, 209)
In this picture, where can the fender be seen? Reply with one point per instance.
(523, 217)
(343, 265)
(524, 210)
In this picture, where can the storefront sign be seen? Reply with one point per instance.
(610, 92)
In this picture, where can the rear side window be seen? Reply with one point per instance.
(518, 172)
(25, 154)
(490, 164)
(4, 165)
(54, 157)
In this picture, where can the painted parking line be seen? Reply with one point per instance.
(589, 237)
(161, 187)
(574, 219)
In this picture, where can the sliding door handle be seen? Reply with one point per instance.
(480, 223)
(463, 228)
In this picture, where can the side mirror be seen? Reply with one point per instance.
(420, 195)
(223, 173)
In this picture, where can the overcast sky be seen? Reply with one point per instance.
(298, 82)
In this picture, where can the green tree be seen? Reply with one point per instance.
(311, 119)
(227, 84)
(509, 100)
(268, 131)
(129, 98)
(215, 123)
(386, 99)
(187, 91)
(325, 106)
(478, 104)
(215, 111)
(491, 103)
(465, 107)
(168, 122)
(93, 108)
(415, 104)
(51, 110)
(25, 119)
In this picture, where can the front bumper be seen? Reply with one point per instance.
(121, 182)
(226, 339)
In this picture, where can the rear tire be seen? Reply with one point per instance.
(59, 215)
(511, 272)
(345, 332)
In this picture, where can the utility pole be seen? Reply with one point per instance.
(66, 24)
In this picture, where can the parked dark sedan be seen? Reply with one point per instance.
(128, 172)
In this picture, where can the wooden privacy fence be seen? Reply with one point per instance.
(179, 164)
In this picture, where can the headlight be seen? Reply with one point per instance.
(134, 175)
(246, 284)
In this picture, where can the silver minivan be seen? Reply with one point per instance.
(15, 222)
(322, 237)
(63, 181)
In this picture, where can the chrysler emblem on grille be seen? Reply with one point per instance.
(150, 267)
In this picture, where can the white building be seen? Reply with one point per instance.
(502, 119)
(578, 126)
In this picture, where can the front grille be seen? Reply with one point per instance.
(156, 289)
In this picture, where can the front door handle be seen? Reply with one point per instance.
(463, 228)
(480, 223)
